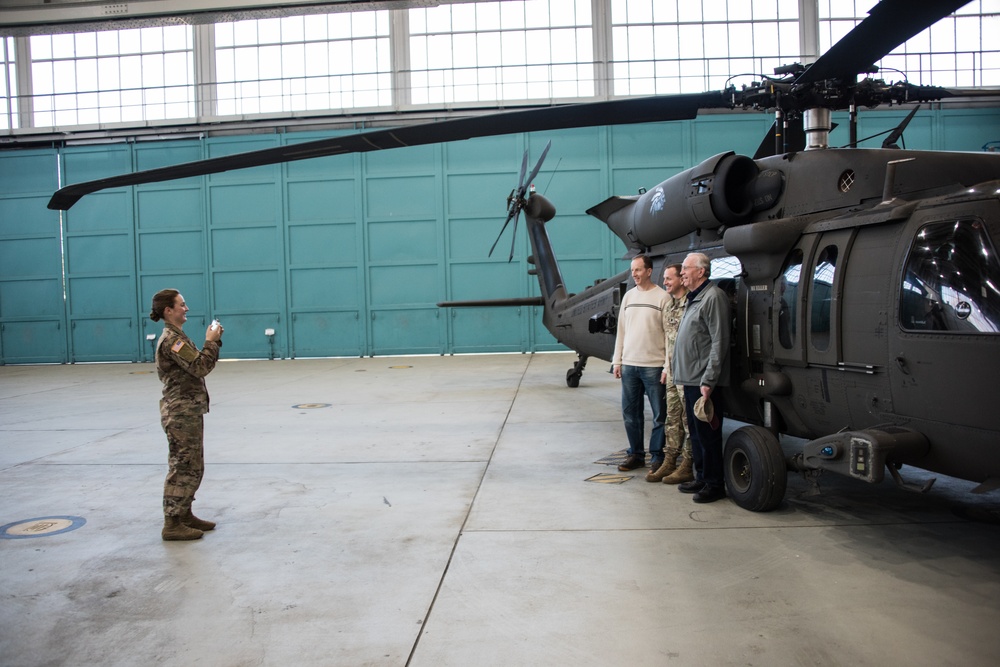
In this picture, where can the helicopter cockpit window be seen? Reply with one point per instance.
(952, 280)
(788, 299)
(822, 297)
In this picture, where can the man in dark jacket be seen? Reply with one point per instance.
(700, 364)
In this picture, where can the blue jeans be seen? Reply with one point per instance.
(706, 442)
(638, 381)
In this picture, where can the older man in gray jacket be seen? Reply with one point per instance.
(700, 365)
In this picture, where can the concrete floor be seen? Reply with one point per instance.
(432, 511)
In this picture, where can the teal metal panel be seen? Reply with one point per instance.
(873, 128)
(321, 201)
(32, 309)
(413, 160)
(406, 284)
(327, 288)
(246, 252)
(100, 260)
(486, 329)
(38, 341)
(245, 291)
(161, 210)
(176, 252)
(171, 240)
(484, 280)
(245, 335)
(408, 197)
(331, 244)
(480, 195)
(469, 239)
(653, 144)
(105, 338)
(722, 133)
(968, 129)
(403, 241)
(241, 204)
(406, 331)
(404, 250)
(326, 333)
(245, 248)
(325, 256)
(26, 172)
(487, 155)
(162, 154)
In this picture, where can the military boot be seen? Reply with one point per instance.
(174, 530)
(667, 468)
(683, 473)
(191, 521)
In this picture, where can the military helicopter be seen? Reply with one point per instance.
(866, 287)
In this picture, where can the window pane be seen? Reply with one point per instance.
(788, 300)
(822, 297)
(952, 280)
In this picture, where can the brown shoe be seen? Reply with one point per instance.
(633, 462)
(683, 473)
(174, 530)
(667, 468)
(191, 521)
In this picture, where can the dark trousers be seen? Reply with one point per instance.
(706, 442)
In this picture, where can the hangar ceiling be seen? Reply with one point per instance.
(27, 17)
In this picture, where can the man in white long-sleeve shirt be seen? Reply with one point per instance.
(640, 362)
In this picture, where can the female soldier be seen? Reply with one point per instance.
(182, 369)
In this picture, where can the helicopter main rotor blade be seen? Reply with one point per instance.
(610, 112)
(894, 136)
(889, 24)
(794, 139)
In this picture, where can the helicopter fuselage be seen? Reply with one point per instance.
(866, 304)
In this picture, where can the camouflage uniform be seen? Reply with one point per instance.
(676, 416)
(182, 369)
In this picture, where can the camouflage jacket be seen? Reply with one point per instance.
(675, 311)
(182, 370)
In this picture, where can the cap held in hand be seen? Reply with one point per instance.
(705, 411)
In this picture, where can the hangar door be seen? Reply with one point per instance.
(32, 314)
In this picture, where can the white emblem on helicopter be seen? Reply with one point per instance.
(658, 200)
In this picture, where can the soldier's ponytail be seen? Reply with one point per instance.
(162, 300)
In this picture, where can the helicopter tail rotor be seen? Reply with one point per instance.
(516, 200)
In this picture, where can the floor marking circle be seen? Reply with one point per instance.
(42, 526)
(310, 406)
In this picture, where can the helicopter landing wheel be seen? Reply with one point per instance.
(574, 374)
(754, 465)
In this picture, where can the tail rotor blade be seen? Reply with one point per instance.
(513, 236)
(524, 168)
(534, 172)
(515, 209)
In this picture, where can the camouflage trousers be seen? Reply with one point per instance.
(677, 424)
(185, 435)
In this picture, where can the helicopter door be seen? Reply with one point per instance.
(787, 321)
(826, 282)
(948, 313)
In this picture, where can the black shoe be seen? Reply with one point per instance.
(633, 462)
(694, 486)
(710, 494)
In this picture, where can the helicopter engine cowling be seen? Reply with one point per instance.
(719, 191)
